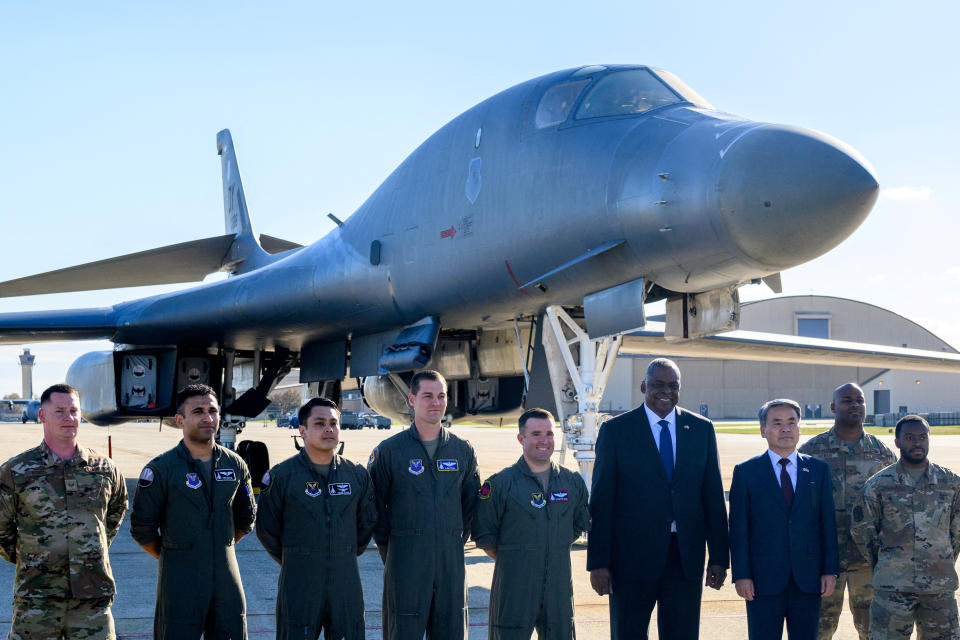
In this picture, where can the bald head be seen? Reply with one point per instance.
(846, 388)
(849, 406)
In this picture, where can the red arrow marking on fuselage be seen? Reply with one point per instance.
(514, 278)
(448, 233)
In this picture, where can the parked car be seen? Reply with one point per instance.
(375, 420)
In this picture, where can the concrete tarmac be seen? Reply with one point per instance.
(723, 615)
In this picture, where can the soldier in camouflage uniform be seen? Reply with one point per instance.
(908, 525)
(61, 505)
(853, 455)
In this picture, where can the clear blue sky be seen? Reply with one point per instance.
(109, 113)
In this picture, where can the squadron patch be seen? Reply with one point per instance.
(193, 481)
(338, 489)
(146, 477)
(416, 466)
(265, 480)
(559, 496)
(373, 456)
(224, 475)
(485, 490)
(448, 465)
(537, 500)
(313, 489)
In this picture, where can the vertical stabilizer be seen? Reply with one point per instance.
(245, 254)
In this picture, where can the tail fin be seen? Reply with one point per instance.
(245, 254)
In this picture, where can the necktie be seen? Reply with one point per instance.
(785, 485)
(666, 449)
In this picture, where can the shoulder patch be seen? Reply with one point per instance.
(265, 480)
(146, 477)
(485, 490)
(373, 456)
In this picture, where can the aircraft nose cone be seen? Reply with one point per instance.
(788, 195)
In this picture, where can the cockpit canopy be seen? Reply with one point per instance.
(612, 93)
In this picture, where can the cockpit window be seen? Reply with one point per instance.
(557, 102)
(681, 87)
(625, 93)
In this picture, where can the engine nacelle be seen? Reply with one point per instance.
(382, 396)
(119, 386)
(469, 400)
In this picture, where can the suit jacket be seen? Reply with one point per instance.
(768, 543)
(632, 504)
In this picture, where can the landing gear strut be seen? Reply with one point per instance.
(579, 371)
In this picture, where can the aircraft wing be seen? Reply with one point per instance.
(52, 326)
(773, 347)
(183, 262)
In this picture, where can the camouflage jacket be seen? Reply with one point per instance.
(910, 530)
(851, 465)
(56, 521)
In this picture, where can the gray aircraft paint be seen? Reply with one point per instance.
(701, 199)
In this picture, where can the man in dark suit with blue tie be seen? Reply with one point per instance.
(783, 538)
(657, 499)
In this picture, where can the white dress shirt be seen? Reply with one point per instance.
(791, 468)
(655, 429)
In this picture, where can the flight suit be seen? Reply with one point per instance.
(57, 519)
(198, 586)
(910, 531)
(424, 513)
(851, 464)
(315, 528)
(531, 531)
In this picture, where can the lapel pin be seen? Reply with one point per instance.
(805, 469)
(686, 426)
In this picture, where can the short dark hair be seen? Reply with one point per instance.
(536, 414)
(661, 363)
(426, 374)
(779, 402)
(192, 391)
(304, 413)
(910, 417)
(61, 387)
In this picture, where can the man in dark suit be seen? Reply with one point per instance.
(783, 536)
(657, 498)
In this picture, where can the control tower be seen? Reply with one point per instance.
(27, 360)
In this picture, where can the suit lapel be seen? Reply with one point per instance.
(684, 442)
(770, 480)
(803, 479)
(649, 445)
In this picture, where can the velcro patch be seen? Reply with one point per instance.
(146, 477)
(225, 475)
(338, 488)
(448, 465)
(559, 496)
(485, 490)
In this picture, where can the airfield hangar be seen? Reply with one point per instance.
(736, 389)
